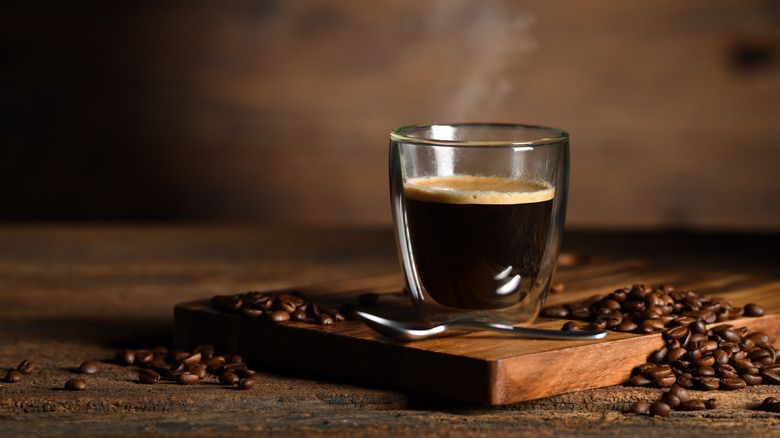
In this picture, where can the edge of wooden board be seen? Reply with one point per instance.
(350, 351)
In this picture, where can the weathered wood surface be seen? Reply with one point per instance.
(72, 293)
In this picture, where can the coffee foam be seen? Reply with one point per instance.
(466, 189)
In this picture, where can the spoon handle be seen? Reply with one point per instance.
(525, 332)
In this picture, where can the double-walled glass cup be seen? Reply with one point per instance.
(478, 210)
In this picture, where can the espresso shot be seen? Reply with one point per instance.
(478, 241)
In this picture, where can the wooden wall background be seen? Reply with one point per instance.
(278, 111)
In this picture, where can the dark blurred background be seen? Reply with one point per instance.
(279, 111)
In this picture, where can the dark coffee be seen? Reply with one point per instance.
(478, 242)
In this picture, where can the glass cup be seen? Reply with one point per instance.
(478, 211)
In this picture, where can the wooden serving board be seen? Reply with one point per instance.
(481, 367)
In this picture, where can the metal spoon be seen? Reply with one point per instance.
(405, 332)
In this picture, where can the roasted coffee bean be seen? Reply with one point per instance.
(89, 367)
(720, 356)
(324, 319)
(244, 373)
(176, 367)
(660, 371)
(660, 409)
(732, 384)
(26, 366)
(709, 383)
(142, 356)
(192, 359)
(570, 326)
(681, 393)
(580, 313)
(692, 405)
(674, 355)
(215, 364)
(13, 376)
(253, 313)
(770, 377)
(247, 383)
(675, 333)
(233, 367)
(279, 316)
(298, 315)
(148, 376)
(686, 382)
(759, 337)
(665, 382)
(206, 351)
(555, 312)
(228, 378)
(186, 378)
(771, 404)
(704, 372)
(287, 306)
(698, 326)
(704, 362)
(640, 380)
(711, 403)
(333, 313)
(75, 385)
(753, 309)
(650, 326)
(178, 354)
(740, 364)
(126, 357)
(639, 407)
(197, 369)
(627, 326)
(672, 400)
(597, 325)
(313, 310)
(751, 379)
(659, 355)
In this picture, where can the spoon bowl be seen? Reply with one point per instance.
(406, 332)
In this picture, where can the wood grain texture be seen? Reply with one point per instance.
(477, 367)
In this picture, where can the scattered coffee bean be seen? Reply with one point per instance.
(711, 403)
(753, 309)
(771, 404)
(26, 366)
(660, 409)
(191, 359)
(555, 312)
(143, 356)
(89, 367)
(13, 376)
(126, 357)
(639, 407)
(186, 378)
(75, 385)
(324, 319)
(228, 378)
(692, 405)
(279, 316)
(148, 376)
(570, 326)
(197, 369)
(244, 373)
(247, 383)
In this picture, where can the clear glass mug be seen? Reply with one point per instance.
(478, 211)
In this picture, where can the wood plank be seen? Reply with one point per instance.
(479, 367)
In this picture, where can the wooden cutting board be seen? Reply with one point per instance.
(482, 367)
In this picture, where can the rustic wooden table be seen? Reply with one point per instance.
(78, 292)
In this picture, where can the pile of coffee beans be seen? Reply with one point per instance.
(676, 398)
(287, 306)
(722, 357)
(643, 309)
(185, 367)
(16, 375)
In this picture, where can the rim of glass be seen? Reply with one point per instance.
(548, 135)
